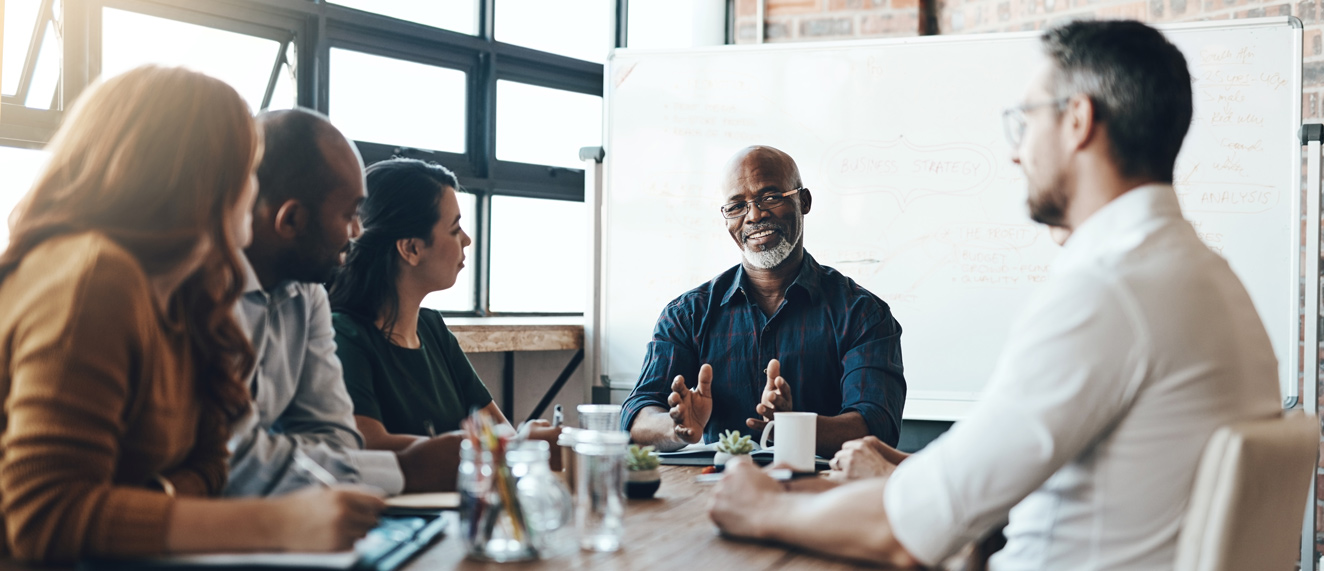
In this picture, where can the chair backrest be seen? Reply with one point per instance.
(1250, 496)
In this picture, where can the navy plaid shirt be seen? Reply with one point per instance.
(839, 347)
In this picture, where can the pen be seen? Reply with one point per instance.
(312, 468)
(558, 416)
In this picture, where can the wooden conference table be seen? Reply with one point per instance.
(671, 531)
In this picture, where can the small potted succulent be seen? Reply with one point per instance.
(643, 480)
(730, 445)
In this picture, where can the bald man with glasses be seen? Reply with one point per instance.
(778, 332)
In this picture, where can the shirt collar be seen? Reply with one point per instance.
(283, 290)
(808, 280)
(1126, 217)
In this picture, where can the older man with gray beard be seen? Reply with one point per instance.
(778, 332)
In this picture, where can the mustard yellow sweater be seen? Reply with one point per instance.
(99, 398)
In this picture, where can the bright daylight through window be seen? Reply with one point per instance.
(130, 39)
(455, 15)
(18, 170)
(31, 78)
(362, 83)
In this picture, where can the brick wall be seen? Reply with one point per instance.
(803, 20)
(810, 20)
(816, 20)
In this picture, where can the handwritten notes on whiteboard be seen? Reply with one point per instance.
(914, 196)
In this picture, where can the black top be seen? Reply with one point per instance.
(408, 390)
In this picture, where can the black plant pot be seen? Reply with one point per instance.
(641, 485)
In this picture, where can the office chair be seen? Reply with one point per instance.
(1249, 498)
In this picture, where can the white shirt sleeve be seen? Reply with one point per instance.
(1070, 370)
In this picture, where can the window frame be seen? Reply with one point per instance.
(316, 26)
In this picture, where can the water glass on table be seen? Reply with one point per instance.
(599, 416)
(600, 501)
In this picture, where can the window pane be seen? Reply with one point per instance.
(130, 39)
(22, 19)
(46, 75)
(575, 28)
(545, 126)
(20, 23)
(455, 15)
(285, 96)
(534, 269)
(396, 102)
(460, 297)
(18, 170)
(658, 24)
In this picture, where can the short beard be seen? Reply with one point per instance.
(1050, 207)
(311, 261)
(778, 254)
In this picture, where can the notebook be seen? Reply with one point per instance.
(395, 540)
(702, 455)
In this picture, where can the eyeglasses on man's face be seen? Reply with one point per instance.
(765, 203)
(1013, 120)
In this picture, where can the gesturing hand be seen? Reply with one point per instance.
(776, 397)
(690, 409)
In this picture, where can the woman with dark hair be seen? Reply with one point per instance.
(121, 367)
(405, 371)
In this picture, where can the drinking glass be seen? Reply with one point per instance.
(605, 417)
(600, 501)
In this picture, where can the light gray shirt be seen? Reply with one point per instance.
(299, 398)
(1089, 433)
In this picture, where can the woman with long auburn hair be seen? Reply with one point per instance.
(121, 366)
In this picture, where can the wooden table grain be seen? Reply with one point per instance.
(671, 531)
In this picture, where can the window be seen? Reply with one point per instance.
(18, 170)
(130, 39)
(31, 77)
(539, 255)
(658, 24)
(396, 102)
(545, 126)
(502, 92)
(460, 297)
(455, 15)
(576, 28)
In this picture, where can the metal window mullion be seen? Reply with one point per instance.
(621, 23)
(480, 138)
(483, 273)
(320, 65)
(730, 22)
(275, 75)
(487, 20)
(45, 16)
(306, 46)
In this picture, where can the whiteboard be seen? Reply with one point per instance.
(915, 198)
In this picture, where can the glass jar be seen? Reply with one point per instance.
(536, 524)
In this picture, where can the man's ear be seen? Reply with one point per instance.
(806, 200)
(410, 250)
(292, 217)
(1080, 125)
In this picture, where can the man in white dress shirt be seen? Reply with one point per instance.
(1139, 346)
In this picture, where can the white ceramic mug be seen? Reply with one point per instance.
(797, 437)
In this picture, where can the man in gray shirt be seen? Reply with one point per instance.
(310, 184)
